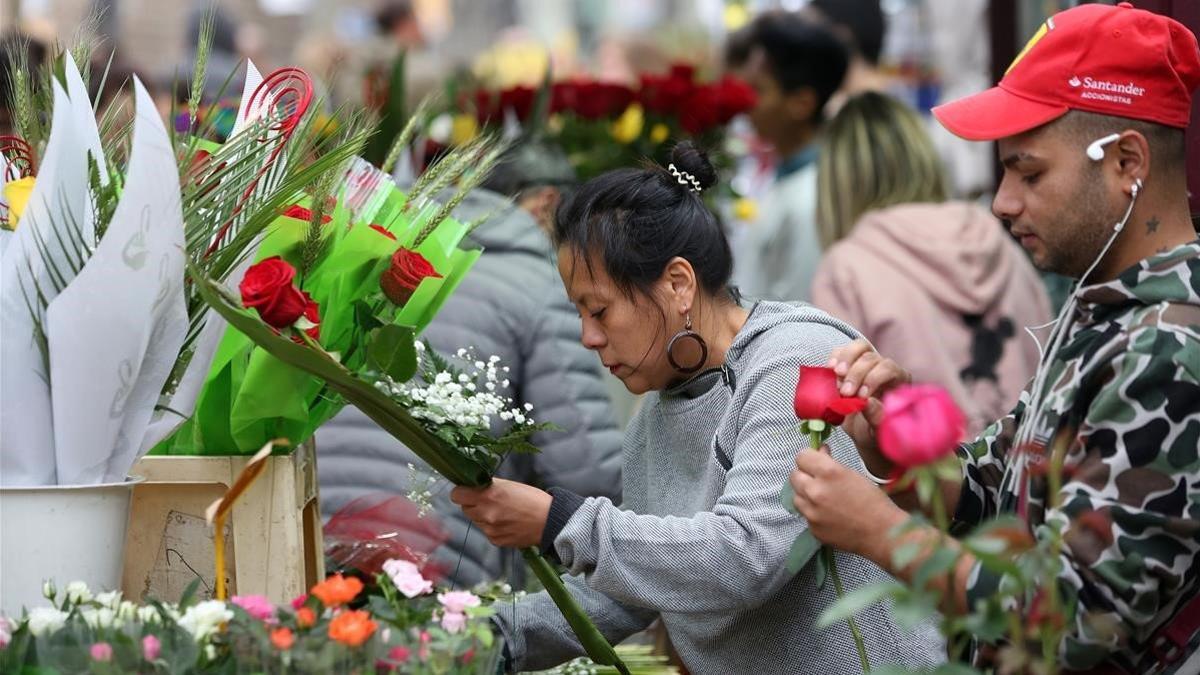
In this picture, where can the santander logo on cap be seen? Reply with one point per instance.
(1103, 90)
(1117, 61)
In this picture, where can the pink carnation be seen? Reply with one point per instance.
(257, 606)
(151, 648)
(407, 578)
(458, 601)
(101, 651)
(454, 622)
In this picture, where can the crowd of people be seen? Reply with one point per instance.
(863, 259)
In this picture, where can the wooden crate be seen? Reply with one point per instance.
(273, 535)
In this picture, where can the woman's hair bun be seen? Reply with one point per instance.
(692, 160)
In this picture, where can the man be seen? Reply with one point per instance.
(1089, 121)
(795, 65)
(512, 305)
(861, 25)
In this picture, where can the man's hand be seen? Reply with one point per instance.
(843, 508)
(509, 513)
(864, 373)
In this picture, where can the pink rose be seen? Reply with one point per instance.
(101, 651)
(458, 601)
(257, 606)
(921, 424)
(398, 654)
(454, 622)
(407, 578)
(299, 601)
(151, 648)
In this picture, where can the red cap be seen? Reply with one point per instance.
(1117, 61)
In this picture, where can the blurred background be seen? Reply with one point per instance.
(931, 49)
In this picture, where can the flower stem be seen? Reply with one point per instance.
(816, 438)
(859, 644)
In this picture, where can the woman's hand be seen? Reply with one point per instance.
(509, 513)
(843, 508)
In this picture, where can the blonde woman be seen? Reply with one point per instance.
(938, 283)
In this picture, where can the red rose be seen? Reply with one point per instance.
(564, 96)
(407, 270)
(312, 312)
(518, 99)
(267, 287)
(817, 397)
(381, 230)
(683, 71)
(734, 97)
(487, 106)
(300, 213)
(699, 112)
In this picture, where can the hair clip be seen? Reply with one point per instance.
(685, 179)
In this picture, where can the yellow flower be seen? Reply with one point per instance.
(736, 16)
(555, 123)
(659, 133)
(629, 125)
(745, 209)
(464, 129)
(16, 194)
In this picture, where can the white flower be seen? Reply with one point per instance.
(45, 620)
(528, 407)
(210, 653)
(78, 592)
(479, 365)
(109, 599)
(205, 618)
(126, 611)
(6, 630)
(419, 346)
(519, 418)
(99, 618)
(148, 614)
(461, 352)
(48, 590)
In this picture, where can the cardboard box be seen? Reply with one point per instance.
(273, 544)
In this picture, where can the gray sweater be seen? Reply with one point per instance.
(702, 538)
(511, 304)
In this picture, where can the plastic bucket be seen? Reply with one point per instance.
(61, 532)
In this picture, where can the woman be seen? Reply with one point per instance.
(702, 539)
(938, 284)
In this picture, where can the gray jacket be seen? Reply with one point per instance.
(511, 304)
(702, 538)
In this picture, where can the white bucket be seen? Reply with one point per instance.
(61, 532)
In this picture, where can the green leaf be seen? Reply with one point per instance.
(854, 602)
(821, 569)
(910, 609)
(906, 553)
(803, 549)
(786, 497)
(940, 562)
(364, 316)
(391, 351)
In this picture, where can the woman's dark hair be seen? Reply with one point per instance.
(636, 220)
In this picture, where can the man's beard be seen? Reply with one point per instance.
(1082, 231)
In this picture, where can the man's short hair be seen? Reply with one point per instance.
(862, 18)
(799, 53)
(1168, 152)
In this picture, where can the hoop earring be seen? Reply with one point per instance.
(687, 334)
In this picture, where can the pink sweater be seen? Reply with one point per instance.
(943, 290)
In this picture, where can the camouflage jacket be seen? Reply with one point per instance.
(1124, 395)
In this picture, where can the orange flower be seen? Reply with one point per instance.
(305, 617)
(282, 638)
(351, 628)
(337, 590)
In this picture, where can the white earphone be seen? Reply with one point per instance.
(1095, 151)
